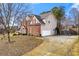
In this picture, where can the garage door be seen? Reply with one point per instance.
(47, 32)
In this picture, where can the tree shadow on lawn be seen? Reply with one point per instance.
(20, 46)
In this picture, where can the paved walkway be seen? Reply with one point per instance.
(54, 45)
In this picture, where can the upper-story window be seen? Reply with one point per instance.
(49, 22)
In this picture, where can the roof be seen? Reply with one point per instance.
(41, 17)
(35, 24)
(38, 18)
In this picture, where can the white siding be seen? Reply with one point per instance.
(49, 27)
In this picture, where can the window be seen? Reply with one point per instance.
(49, 22)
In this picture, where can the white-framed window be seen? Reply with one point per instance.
(48, 22)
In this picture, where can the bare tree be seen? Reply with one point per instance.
(75, 15)
(11, 14)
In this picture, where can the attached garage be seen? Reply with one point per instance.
(47, 32)
(43, 25)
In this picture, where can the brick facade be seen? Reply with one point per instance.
(34, 30)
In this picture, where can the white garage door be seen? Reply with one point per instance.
(45, 33)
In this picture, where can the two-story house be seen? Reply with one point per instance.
(43, 25)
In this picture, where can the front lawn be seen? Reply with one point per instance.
(20, 45)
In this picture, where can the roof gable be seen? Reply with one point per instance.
(34, 20)
(38, 19)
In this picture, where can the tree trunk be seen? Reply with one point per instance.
(8, 34)
(59, 27)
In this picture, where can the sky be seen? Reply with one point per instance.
(43, 7)
(38, 8)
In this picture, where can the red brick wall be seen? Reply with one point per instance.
(34, 30)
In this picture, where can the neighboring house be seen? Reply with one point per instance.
(43, 25)
(68, 24)
(22, 30)
(23, 27)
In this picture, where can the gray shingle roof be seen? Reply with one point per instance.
(40, 19)
(43, 16)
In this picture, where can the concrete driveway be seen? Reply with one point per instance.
(62, 39)
(54, 45)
